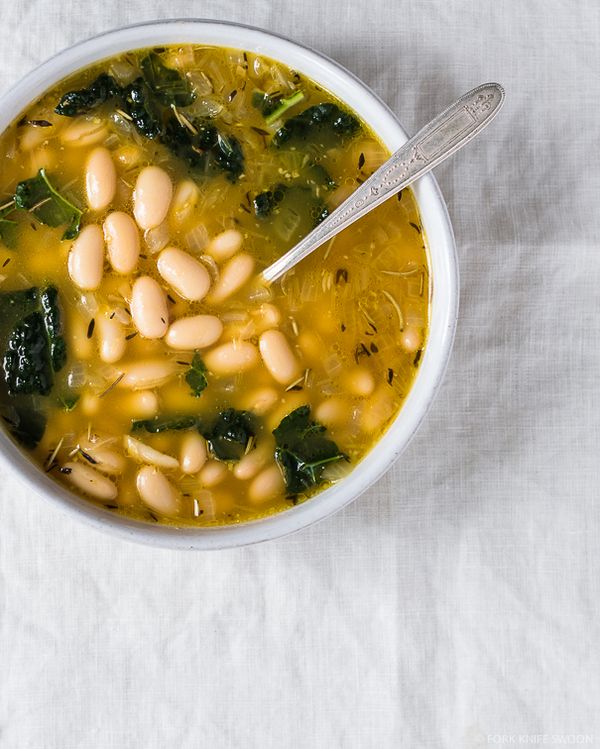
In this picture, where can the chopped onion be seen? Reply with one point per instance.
(259, 294)
(332, 365)
(112, 141)
(207, 106)
(234, 316)
(121, 316)
(197, 238)
(77, 376)
(327, 387)
(124, 72)
(206, 503)
(88, 303)
(212, 266)
(157, 238)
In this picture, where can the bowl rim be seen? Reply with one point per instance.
(441, 252)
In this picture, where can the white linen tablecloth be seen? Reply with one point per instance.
(456, 604)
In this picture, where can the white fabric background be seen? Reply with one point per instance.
(457, 603)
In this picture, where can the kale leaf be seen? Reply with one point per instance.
(54, 327)
(166, 84)
(68, 401)
(101, 90)
(35, 347)
(230, 434)
(25, 424)
(38, 196)
(196, 376)
(206, 151)
(273, 107)
(139, 104)
(26, 362)
(150, 101)
(323, 124)
(165, 423)
(302, 450)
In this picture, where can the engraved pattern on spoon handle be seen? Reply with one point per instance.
(440, 138)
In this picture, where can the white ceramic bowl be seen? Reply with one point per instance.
(442, 257)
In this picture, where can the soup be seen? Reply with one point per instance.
(144, 363)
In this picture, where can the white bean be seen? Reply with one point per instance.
(267, 485)
(185, 274)
(260, 400)
(359, 381)
(112, 339)
(266, 316)
(100, 179)
(86, 258)
(195, 332)
(411, 340)
(106, 460)
(83, 132)
(146, 454)
(232, 357)
(88, 480)
(234, 275)
(152, 197)
(149, 309)
(212, 473)
(278, 357)
(129, 156)
(193, 454)
(225, 244)
(251, 463)
(377, 410)
(333, 411)
(143, 403)
(122, 241)
(147, 374)
(89, 404)
(157, 491)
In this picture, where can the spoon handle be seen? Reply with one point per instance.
(440, 138)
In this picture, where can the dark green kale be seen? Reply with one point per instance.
(68, 401)
(317, 177)
(102, 89)
(139, 104)
(293, 210)
(38, 196)
(302, 450)
(150, 101)
(231, 434)
(324, 125)
(207, 151)
(166, 84)
(54, 327)
(273, 107)
(25, 424)
(196, 376)
(165, 423)
(264, 203)
(26, 362)
(34, 347)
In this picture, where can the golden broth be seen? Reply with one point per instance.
(355, 313)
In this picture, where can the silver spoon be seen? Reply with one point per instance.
(440, 138)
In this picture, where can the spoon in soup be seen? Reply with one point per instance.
(440, 138)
